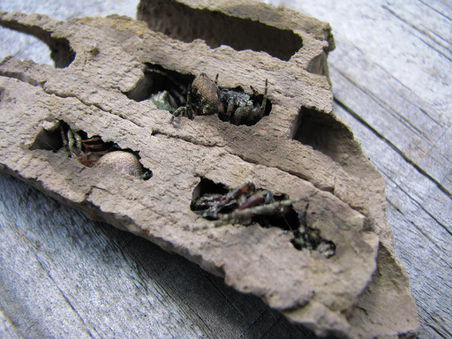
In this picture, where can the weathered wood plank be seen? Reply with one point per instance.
(422, 243)
(368, 111)
(7, 327)
(389, 44)
(432, 29)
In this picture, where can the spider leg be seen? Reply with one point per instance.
(64, 139)
(74, 142)
(259, 110)
(240, 115)
(264, 100)
(185, 110)
(89, 159)
(172, 100)
(245, 215)
(93, 144)
(189, 110)
(244, 189)
(175, 117)
(229, 109)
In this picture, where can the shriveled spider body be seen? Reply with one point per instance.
(204, 97)
(241, 205)
(241, 108)
(245, 216)
(211, 205)
(87, 151)
(93, 151)
(123, 162)
(164, 100)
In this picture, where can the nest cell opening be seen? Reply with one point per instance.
(89, 150)
(324, 133)
(61, 51)
(169, 90)
(184, 23)
(247, 204)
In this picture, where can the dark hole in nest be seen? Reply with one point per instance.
(318, 65)
(157, 79)
(185, 23)
(61, 51)
(91, 148)
(310, 238)
(244, 205)
(287, 220)
(325, 134)
(169, 90)
(207, 186)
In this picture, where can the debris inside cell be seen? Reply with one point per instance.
(205, 97)
(90, 151)
(247, 204)
(310, 238)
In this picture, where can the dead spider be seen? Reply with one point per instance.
(170, 92)
(86, 150)
(310, 238)
(93, 151)
(164, 100)
(241, 108)
(242, 205)
(204, 97)
(246, 205)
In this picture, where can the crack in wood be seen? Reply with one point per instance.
(406, 22)
(420, 205)
(29, 80)
(409, 124)
(435, 10)
(394, 147)
(47, 272)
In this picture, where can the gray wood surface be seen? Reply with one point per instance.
(65, 276)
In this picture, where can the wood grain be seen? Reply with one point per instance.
(391, 74)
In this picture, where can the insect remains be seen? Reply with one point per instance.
(310, 238)
(185, 95)
(166, 89)
(90, 151)
(205, 97)
(247, 204)
(86, 150)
